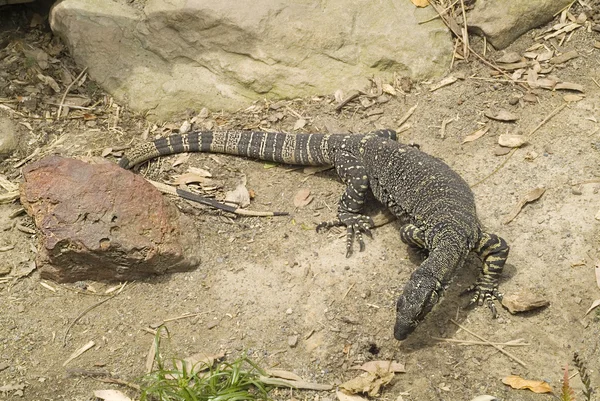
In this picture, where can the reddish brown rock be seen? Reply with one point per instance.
(101, 222)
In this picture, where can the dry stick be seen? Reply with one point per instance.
(167, 189)
(512, 152)
(83, 314)
(62, 101)
(508, 354)
(458, 35)
(465, 37)
(470, 342)
(596, 82)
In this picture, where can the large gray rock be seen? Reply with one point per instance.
(101, 222)
(223, 54)
(503, 21)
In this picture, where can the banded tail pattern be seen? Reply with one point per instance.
(303, 149)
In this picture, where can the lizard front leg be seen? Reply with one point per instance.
(354, 175)
(493, 250)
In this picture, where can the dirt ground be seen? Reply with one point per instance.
(263, 281)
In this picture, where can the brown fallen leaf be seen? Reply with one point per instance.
(476, 135)
(106, 152)
(111, 395)
(563, 58)
(511, 140)
(300, 123)
(523, 301)
(595, 304)
(188, 178)
(537, 386)
(502, 115)
(303, 197)
(530, 196)
(369, 382)
(420, 3)
(182, 158)
(385, 366)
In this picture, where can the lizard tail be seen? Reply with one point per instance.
(304, 149)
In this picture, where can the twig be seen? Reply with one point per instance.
(167, 189)
(353, 95)
(348, 290)
(596, 82)
(82, 314)
(62, 101)
(407, 115)
(512, 152)
(508, 354)
(514, 343)
(465, 34)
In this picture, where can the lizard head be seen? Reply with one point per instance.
(421, 293)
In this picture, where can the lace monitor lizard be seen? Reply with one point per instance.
(415, 186)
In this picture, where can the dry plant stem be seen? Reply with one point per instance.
(530, 135)
(465, 37)
(62, 101)
(508, 354)
(82, 314)
(470, 342)
(596, 82)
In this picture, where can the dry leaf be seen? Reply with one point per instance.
(595, 304)
(111, 395)
(563, 58)
(476, 135)
(200, 171)
(106, 152)
(485, 397)
(569, 86)
(189, 178)
(343, 396)
(572, 98)
(370, 382)
(303, 197)
(299, 124)
(523, 301)
(284, 374)
(537, 386)
(79, 351)
(389, 89)
(239, 196)
(511, 140)
(420, 3)
(444, 82)
(502, 115)
(510, 57)
(198, 362)
(531, 196)
(182, 158)
(385, 366)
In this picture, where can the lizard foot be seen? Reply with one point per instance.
(356, 225)
(485, 291)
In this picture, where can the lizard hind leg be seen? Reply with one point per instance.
(414, 237)
(493, 250)
(350, 207)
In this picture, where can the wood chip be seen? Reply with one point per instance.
(530, 196)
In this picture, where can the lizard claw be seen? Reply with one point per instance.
(485, 291)
(356, 225)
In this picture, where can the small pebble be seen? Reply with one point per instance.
(289, 311)
(576, 191)
(292, 341)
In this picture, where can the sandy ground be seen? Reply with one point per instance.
(264, 280)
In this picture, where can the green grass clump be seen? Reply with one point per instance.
(221, 381)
